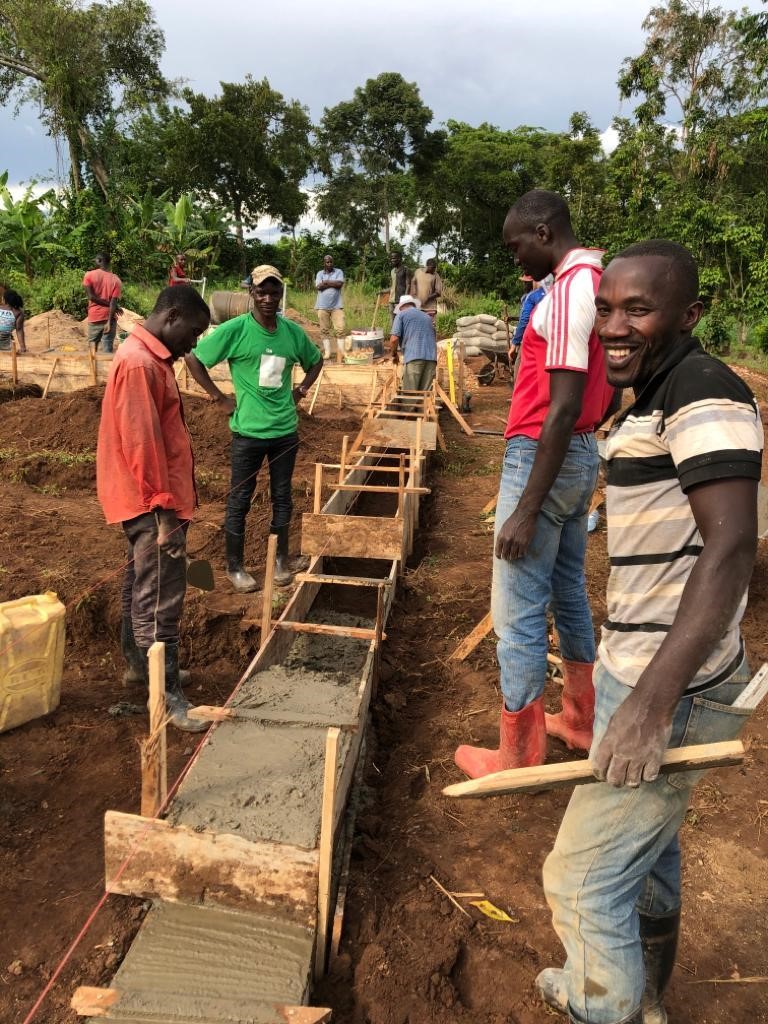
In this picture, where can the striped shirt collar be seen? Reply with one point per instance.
(676, 354)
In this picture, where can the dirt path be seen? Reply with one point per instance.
(408, 955)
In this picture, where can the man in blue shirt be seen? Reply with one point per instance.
(530, 300)
(414, 332)
(329, 305)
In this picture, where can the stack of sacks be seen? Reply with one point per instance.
(482, 333)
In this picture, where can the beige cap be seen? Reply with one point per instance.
(261, 273)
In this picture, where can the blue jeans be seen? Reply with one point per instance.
(617, 853)
(551, 574)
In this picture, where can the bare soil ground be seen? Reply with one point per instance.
(408, 956)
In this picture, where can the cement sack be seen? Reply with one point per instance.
(502, 336)
(475, 338)
(477, 329)
(479, 318)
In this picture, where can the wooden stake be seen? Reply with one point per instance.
(269, 586)
(755, 691)
(94, 1002)
(50, 377)
(379, 614)
(490, 507)
(440, 438)
(318, 487)
(469, 643)
(14, 367)
(455, 413)
(343, 462)
(317, 391)
(154, 760)
(462, 351)
(449, 360)
(401, 486)
(94, 370)
(569, 773)
(326, 848)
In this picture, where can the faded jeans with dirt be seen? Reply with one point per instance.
(154, 584)
(551, 575)
(617, 853)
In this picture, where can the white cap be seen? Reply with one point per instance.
(407, 300)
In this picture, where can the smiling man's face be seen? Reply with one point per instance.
(642, 311)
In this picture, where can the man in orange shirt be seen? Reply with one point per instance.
(145, 481)
(103, 289)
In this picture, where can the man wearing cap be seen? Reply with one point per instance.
(329, 304)
(261, 349)
(414, 332)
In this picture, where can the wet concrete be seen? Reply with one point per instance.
(199, 964)
(264, 781)
(259, 782)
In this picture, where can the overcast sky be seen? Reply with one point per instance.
(507, 62)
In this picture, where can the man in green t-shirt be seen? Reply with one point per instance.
(261, 349)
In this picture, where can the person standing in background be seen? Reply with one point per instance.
(103, 289)
(178, 272)
(427, 287)
(329, 304)
(12, 319)
(399, 283)
(414, 332)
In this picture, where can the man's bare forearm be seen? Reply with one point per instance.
(201, 376)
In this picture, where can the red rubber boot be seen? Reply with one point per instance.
(522, 743)
(573, 725)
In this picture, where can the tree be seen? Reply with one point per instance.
(246, 150)
(700, 58)
(367, 146)
(80, 64)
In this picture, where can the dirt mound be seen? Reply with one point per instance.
(55, 330)
(10, 392)
(312, 329)
(69, 423)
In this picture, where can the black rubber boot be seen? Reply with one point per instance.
(176, 703)
(658, 936)
(137, 673)
(136, 670)
(285, 566)
(241, 580)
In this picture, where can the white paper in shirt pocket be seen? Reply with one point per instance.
(271, 371)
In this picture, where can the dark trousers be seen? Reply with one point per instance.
(247, 455)
(154, 584)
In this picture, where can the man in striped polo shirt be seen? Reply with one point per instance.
(548, 477)
(683, 469)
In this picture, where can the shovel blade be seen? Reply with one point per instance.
(200, 574)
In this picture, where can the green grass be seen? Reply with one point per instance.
(359, 304)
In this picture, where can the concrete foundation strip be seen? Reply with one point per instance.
(256, 880)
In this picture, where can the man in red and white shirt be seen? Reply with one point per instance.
(145, 482)
(548, 477)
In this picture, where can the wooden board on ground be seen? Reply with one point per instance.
(469, 643)
(351, 536)
(569, 773)
(88, 1001)
(762, 511)
(151, 858)
(73, 372)
(398, 433)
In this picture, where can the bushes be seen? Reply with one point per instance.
(715, 331)
(760, 338)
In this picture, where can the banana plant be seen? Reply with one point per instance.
(27, 240)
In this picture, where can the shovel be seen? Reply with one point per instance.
(200, 574)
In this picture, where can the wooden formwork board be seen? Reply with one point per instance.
(71, 372)
(398, 433)
(151, 859)
(344, 536)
